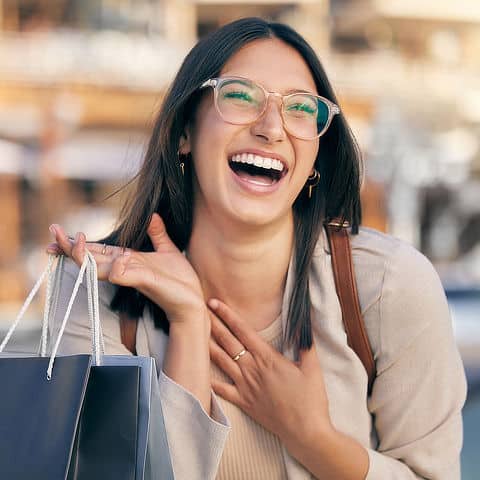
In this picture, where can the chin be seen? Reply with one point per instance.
(258, 217)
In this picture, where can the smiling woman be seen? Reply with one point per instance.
(221, 269)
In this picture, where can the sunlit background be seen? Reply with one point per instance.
(81, 81)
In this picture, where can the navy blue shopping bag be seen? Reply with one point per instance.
(81, 424)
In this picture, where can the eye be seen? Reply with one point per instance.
(238, 95)
(301, 107)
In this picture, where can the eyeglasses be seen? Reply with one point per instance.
(241, 101)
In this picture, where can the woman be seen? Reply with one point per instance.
(222, 257)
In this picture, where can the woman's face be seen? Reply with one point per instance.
(223, 188)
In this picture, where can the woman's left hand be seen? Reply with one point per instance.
(287, 398)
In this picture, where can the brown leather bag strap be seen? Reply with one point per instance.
(128, 332)
(347, 293)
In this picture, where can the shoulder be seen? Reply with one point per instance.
(376, 253)
(378, 257)
(373, 245)
(393, 265)
(400, 292)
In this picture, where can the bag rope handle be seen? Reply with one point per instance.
(89, 267)
(28, 301)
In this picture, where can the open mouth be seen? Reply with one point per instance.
(257, 169)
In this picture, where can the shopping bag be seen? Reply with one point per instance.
(92, 413)
(106, 437)
(153, 455)
(39, 417)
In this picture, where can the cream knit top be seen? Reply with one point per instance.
(251, 452)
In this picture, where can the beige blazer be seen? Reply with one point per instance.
(411, 424)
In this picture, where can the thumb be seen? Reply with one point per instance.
(158, 233)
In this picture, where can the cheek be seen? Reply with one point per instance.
(209, 129)
(306, 154)
(205, 140)
(313, 150)
(212, 138)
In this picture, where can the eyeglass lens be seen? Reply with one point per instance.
(242, 102)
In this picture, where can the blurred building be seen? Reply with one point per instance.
(423, 76)
(81, 81)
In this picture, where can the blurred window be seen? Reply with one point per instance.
(141, 16)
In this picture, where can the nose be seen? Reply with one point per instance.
(269, 125)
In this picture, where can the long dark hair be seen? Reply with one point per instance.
(161, 187)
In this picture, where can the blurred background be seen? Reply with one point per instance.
(81, 81)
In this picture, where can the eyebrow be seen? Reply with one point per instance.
(299, 90)
(287, 92)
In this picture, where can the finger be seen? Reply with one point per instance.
(158, 233)
(61, 238)
(104, 251)
(228, 392)
(245, 334)
(223, 361)
(100, 252)
(224, 337)
(54, 249)
(78, 249)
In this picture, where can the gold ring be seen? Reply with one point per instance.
(104, 249)
(238, 355)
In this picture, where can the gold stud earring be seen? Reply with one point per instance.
(313, 181)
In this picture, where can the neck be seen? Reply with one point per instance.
(245, 267)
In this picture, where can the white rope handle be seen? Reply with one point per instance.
(51, 301)
(28, 301)
(93, 309)
(89, 265)
(53, 286)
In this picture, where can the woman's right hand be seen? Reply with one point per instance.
(164, 275)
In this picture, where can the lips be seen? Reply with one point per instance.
(255, 156)
(254, 179)
(257, 167)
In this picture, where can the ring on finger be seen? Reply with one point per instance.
(238, 355)
(104, 249)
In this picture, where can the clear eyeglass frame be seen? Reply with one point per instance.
(216, 84)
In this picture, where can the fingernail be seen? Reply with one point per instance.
(77, 237)
(213, 303)
(52, 229)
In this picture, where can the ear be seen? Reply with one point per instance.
(184, 146)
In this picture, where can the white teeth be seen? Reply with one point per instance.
(258, 161)
(277, 165)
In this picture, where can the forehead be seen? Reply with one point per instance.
(272, 63)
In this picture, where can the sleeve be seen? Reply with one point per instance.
(420, 387)
(196, 440)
